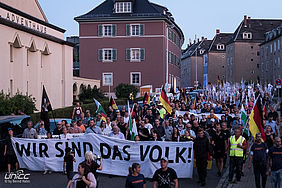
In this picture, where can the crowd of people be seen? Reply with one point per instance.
(214, 126)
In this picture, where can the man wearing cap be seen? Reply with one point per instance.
(236, 145)
(165, 177)
(258, 155)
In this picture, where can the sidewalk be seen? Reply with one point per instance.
(247, 181)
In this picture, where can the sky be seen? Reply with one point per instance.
(195, 18)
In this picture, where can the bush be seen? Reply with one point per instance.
(124, 90)
(18, 102)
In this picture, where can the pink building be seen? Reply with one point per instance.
(126, 42)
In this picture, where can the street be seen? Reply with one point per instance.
(54, 180)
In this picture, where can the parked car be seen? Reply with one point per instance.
(53, 123)
(18, 124)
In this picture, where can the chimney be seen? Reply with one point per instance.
(217, 31)
(203, 38)
(249, 18)
(194, 41)
(245, 21)
(198, 40)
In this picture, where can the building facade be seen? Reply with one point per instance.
(243, 50)
(191, 56)
(34, 53)
(126, 42)
(214, 60)
(271, 56)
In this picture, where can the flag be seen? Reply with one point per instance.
(100, 110)
(146, 99)
(255, 120)
(45, 108)
(113, 104)
(132, 126)
(244, 117)
(195, 101)
(164, 101)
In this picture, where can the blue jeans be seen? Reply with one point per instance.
(276, 178)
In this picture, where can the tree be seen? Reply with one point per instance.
(88, 93)
(18, 102)
(124, 90)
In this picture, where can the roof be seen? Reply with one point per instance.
(141, 10)
(220, 38)
(257, 27)
(200, 46)
(273, 34)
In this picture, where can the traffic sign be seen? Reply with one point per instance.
(278, 82)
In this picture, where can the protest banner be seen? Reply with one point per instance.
(117, 155)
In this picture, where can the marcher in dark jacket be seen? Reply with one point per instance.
(202, 148)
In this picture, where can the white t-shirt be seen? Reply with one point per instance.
(126, 119)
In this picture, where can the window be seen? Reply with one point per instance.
(274, 46)
(107, 55)
(108, 79)
(278, 62)
(135, 78)
(220, 47)
(135, 29)
(123, 7)
(247, 35)
(135, 54)
(278, 44)
(11, 53)
(107, 30)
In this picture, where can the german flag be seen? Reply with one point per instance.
(146, 99)
(165, 102)
(113, 104)
(255, 120)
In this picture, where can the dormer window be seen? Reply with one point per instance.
(202, 51)
(247, 35)
(123, 7)
(220, 47)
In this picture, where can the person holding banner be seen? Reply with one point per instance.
(165, 177)
(134, 178)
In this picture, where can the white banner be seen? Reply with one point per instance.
(118, 155)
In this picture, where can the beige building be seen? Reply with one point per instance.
(271, 56)
(214, 59)
(34, 53)
(243, 50)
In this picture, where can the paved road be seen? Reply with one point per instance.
(54, 180)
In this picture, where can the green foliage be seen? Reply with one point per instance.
(87, 94)
(123, 91)
(9, 105)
